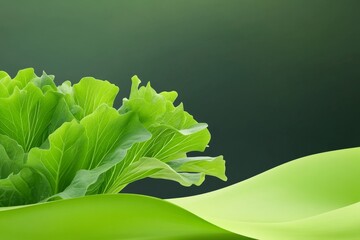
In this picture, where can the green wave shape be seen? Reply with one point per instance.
(315, 197)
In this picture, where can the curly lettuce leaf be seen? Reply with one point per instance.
(86, 96)
(174, 133)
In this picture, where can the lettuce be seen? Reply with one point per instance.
(59, 142)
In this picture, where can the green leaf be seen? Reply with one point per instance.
(90, 93)
(87, 181)
(45, 82)
(20, 81)
(110, 135)
(11, 156)
(25, 187)
(4, 80)
(23, 77)
(3, 74)
(154, 168)
(86, 96)
(174, 134)
(106, 130)
(149, 105)
(65, 156)
(207, 165)
(26, 115)
(61, 114)
(186, 171)
(68, 92)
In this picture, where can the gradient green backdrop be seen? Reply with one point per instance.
(274, 79)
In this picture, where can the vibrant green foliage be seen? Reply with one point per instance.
(68, 141)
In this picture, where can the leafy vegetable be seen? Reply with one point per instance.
(68, 141)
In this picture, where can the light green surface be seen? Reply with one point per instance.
(107, 217)
(315, 197)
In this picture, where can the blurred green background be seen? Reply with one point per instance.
(275, 80)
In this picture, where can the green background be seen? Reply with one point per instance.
(275, 80)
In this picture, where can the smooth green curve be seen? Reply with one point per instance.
(122, 216)
(316, 197)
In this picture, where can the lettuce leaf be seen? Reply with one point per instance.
(11, 156)
(69, 141)
(174, 134)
